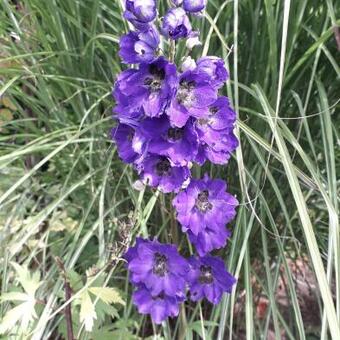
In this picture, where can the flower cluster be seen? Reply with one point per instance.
(170, 118)
(161, 276)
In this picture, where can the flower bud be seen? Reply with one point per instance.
(176, 24)
(214, 68)
(140, 12)
(194, 6)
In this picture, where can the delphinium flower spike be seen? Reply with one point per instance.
(169, 118)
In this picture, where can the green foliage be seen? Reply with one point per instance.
(21, 316)
(64, 192)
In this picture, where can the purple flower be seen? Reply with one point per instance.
(158, 171)
(204, 204)
(148, 88)
(194, 94)
(126, 109)
(215, 131)
(132, 251)
(209, 239)
(139, 47)
(180, 145)
(214, 68)
(140, 12)
(176, 24)
(159, 306)
(159, 267)
(220, 153)
(123, 135)
(208, 278)
(203, 210)
(177, 2)
(194, 6)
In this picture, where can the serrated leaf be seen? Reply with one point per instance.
(23, 313)
(14, 296)
(12, 317)
(107, 294)
(87, 311)
(103, 309)
(29, 282)
(75, 280)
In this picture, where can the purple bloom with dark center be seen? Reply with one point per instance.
(159, 306)
(209, 278)
(159, 267)
(123, 134)
(139, 47)
(193, 95)
(220, 153)
(194, 6)
(150, 88)
(215, 131)
(214, 68)
(204, 204)
(203, 210)
(159, 171)
(209, 239)
(140, 12)
(180, 145)
(176, 24)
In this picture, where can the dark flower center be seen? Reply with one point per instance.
(206, 276)
(130, 136)
(213, 110)
(185, 95)
(175, 133)
(160, 296)
(157, 72)
(203, 121)
(154, 83)
(160, 265)
(163, 167)
(202, 201)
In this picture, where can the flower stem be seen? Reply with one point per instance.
(172, 50)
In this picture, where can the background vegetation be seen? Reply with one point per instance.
(68, 206)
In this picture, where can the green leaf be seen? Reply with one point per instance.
(87, 311)
(75, 279)
(23, 314)
(103, 310)
(30, 282)
(107, 294)
(14, 296)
